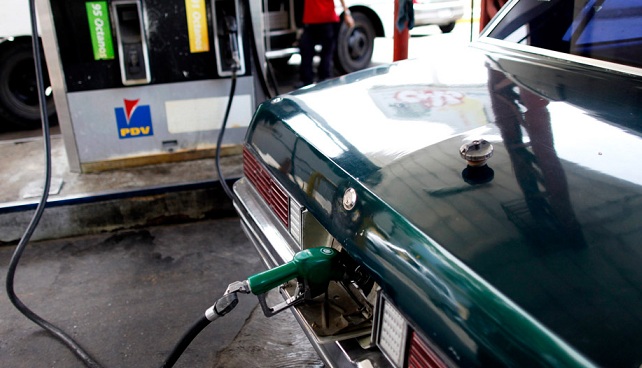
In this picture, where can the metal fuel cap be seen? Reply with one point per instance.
(477, 152)
(349, 199)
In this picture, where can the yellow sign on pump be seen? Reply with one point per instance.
(197, 26)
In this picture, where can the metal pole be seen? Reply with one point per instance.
(400, 39)
(472, 5)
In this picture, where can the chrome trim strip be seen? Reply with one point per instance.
(501, 46)
(485, 40)
(496, 19)
(270, 240)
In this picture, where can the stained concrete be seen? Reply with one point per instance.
(126, 260)
(82, 203)
(127, 297)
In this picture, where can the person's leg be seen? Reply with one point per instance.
(328, 43)
(306, 49)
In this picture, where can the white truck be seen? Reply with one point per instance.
(19, 106)
(281, 25)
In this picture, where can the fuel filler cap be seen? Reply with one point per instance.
(477, 152)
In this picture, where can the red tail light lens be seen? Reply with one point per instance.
(421, 356)
(270, 191)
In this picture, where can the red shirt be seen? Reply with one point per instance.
(319, 11)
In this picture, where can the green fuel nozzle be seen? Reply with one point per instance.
(313, 269)
(315, 266)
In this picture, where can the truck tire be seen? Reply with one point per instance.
(19, 105)
(355, 46)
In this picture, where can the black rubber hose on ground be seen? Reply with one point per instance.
(184, 342)
(15, 259)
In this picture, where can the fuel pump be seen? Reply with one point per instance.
(145, 81)
(313, 270)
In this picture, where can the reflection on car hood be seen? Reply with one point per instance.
(553, 222)
(386, 113)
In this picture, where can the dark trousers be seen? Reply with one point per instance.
(317, 34)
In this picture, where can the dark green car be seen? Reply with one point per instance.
(488, 203)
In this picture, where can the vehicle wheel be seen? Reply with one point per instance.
(355, 46)
(447, 28)
(19, 106)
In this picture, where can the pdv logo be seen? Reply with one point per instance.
(134, 120)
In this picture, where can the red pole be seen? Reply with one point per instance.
(488, 10)
(400, 39)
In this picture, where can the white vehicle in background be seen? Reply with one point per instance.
(373, 18)
(19, 106)
(442, 13)
(281, 25)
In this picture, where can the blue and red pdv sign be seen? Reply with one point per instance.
(134, 120)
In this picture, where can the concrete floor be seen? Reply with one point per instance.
(91, 203)
(125, 261)
(128, 296)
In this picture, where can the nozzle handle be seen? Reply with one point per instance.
(267, 280)
(315, 265)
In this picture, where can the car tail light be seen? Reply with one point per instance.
(421, 356)
(275, 197)
(399, 342)
(392, 334)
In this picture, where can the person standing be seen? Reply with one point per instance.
(320, 27)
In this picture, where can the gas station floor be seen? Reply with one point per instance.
(23, 165)
(125, 261)
(95, 201)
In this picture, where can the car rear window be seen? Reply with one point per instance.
(608, 30)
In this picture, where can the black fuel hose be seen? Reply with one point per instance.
(184, 342)
(221, 133)
(56, 332)
(264, 86)
(202, 322)
(222, 307)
